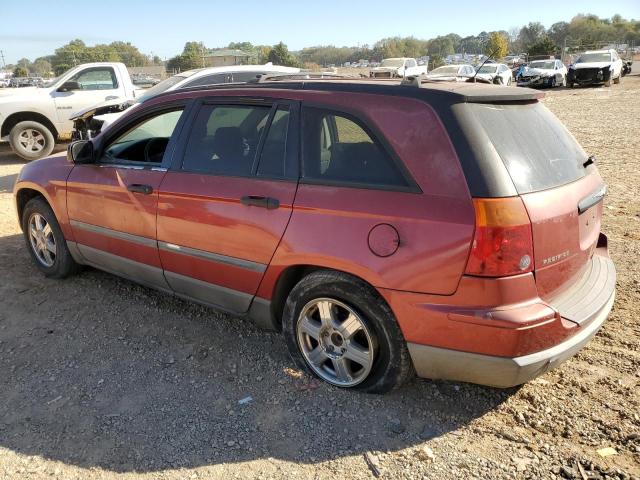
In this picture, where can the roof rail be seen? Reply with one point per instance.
(268, 77)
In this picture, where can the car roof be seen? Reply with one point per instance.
(267, 67)
(447, 92)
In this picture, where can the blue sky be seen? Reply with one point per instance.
(163, 26)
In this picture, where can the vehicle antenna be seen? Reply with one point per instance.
(473, 79)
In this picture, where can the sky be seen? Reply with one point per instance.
(161, 27)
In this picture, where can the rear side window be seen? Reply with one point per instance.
(339, 148)
(215, 79)
(224, 139)
(537, 150)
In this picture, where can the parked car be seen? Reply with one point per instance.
(543, 73)
(497, 73)
(89, 122)
(596, 67)
(398, 68)
(450, 229)
(451, 73)
(626, 67)
(33, 119)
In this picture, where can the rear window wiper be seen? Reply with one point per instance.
(590, 160)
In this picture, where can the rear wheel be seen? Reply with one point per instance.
(339, 329)
(31, 140)
(45, 240)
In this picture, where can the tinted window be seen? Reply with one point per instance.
(243, 77)
(224, 139)
(99, 78)
(338, 148)
(215, 79)
(536, 148)
(273, 155)
(146, 142)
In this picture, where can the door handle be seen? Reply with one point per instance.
(258, 201)
(139, 188)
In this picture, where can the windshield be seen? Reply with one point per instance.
(163, 86)
(595, 57)
(488, 69)
(453, 70)
(543, 65)
(392, 62)
(538, 151)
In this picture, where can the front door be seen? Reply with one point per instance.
(92, 85)
(225, 204)
(112, 204)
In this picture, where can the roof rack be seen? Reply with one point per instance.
(269, 77)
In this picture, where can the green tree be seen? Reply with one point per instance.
(20, 71)
(279, 55)
(497, 45)
(42, 67)
(530, 33)
(544, 46)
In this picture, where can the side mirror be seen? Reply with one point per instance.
(69, 87)
(81, 152)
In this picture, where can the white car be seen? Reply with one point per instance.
(594, 67)
(497, 73)
(451, 73)
(89, 122)
(398, 68)
(543, 73)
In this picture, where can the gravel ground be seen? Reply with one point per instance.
(102, 378)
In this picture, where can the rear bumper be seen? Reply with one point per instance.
(442, 363)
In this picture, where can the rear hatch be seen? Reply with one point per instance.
(558, 184)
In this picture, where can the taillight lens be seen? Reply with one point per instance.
(503, 243)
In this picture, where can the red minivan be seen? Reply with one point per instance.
(448, 229)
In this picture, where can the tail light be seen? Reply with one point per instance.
(503, 243)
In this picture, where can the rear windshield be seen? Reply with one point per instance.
(538, 151)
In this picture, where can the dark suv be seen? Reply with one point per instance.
(453, 229)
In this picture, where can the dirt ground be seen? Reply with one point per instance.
(103, 379)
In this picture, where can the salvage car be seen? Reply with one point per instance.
(398, 68)
(451, 229)
(596, 67)
(496, 73)
(33, 119)
(451, 73)
(543, 73)
(89, 122)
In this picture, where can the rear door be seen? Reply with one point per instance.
(112, 204)
(226, 201)
(558, 183)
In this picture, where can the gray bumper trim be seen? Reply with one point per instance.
(442, 363)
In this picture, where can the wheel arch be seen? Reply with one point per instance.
(288, 278)
(15, 118)
(24, 195)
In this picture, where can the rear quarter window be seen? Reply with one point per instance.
(536, 148)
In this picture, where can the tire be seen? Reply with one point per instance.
(375, 337)
(31, 140)
(509, 81)
(564, 81)
(618, 79)
(607, 83)
(571, 84)
(61, 263)
(553, 83)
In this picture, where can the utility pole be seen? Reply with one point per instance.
(2, 56)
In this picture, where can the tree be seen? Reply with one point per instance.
(279, 55)
(497, 45)
(544, 46)
(20, 71)
(42, 67)
(558, 32)
(529, 34)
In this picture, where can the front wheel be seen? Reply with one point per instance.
(339, 329)
(31, 140)
(45, 240)
(617, 80)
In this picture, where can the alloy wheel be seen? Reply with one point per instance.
(31, 140)
(336, 342)
(43, 243)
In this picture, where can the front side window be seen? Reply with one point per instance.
(339, 148)
(99, 78)
(146, 142)
(224, 139)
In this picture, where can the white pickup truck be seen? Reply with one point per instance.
(32, 119)
(398, 68)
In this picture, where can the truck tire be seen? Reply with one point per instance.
(31, 140)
